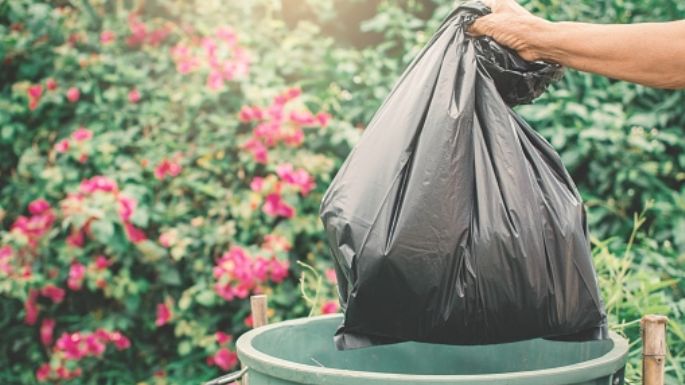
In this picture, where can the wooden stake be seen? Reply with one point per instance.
(653, 349)
(259, 316)
(259, 319)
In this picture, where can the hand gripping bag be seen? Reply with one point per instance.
(452, 221)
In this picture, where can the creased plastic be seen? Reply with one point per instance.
(452, 221)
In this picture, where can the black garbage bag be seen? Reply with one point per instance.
(452, 221)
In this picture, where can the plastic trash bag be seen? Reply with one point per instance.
(452, 221)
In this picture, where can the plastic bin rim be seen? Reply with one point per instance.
(256, 360)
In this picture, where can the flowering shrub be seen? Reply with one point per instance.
(160, 181)
(73, 347)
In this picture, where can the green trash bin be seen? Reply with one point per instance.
(302, 352)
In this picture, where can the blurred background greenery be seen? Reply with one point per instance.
(162, 160)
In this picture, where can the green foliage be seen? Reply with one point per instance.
(188, 206)
(151, 168)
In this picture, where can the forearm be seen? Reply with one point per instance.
(652, 54)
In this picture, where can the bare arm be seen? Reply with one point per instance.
(652, 54)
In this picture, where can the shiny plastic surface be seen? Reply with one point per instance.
(452, 221)
(300, 351)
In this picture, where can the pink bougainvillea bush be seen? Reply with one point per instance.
(158, 167)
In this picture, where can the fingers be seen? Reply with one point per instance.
(479, 26)
(475, 29)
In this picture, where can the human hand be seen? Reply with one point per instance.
(510, 25)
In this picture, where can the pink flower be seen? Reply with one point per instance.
(107, 37)
(331, 276)
(210, 46)
(275, 206)
(31, 307)
(102, 263)
(227, 35)
(235, 273)
(323, 118)
(260, 269)
(157, 36)
(43, 372)
(238, 274)
(35, 91)
(224, 291)
(77, 273)
(35, 226)
(225, 359)
(126, 207)
(39, 206)
(215, 80)
(76, 239)
(167, 168)
(98, 183)
(62, 146)
(133, 96)
(248, 114)
(120, 341)
(248, 321)
(278, 102)
(163, 315)
(180, 51)
(329, 307)
(257, 184)
(241, 62)
(5, 257)
(187, 65)
(5, 252)
(276, 243)
(167, 238)
(138, 31)
(229, 70)
(51, 84)
(56, 294)
(102, 335)
(82, 134)
(269, 132)
(294, 138)
(293, 93)
(304, 118)
(223, 338)
(93, 345)
(299, 178)
(279, 270)
(66, 374)
(275, 111)
(73, 94)
(133, 233)
(70, 345)
(258, 150)
(26, 272)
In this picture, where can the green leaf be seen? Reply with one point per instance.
(102, 230)
(151, 251)
(206, 298)
(170, 276)
(184, 348)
